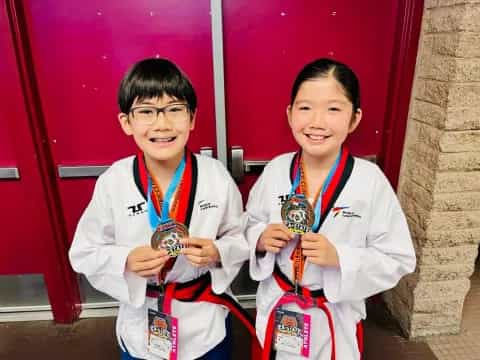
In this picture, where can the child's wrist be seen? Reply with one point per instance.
(260, 248)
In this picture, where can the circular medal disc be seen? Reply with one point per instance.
(297, 214)
(167, 236)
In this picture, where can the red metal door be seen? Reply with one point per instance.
(266, 45)
(71, 59)
(30, 237)
(24, 221)
(80, 54)
(76, 56)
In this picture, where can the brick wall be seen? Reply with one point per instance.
(439, 184)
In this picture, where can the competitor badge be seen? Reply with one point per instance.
(168, 235)
(297, 214)
(162, 335)
(292, 332)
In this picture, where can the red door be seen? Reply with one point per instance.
(266, 45)
(24, 220)
(78, 77)
(77, 56)
(71, 58)
(31, 258)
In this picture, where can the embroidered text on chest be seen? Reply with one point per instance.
(345, 213)
(205, 205)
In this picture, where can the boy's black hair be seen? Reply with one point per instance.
(322, 68)
(152, 78)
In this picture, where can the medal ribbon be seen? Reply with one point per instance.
(153, 203)
(184, 197)
(319, 197)
(164, 217)
(299, 183)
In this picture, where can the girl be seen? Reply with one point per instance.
(325, 229)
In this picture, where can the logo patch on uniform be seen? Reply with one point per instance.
(345, 213)
(136, 209)
(205, 205)
(283, 198)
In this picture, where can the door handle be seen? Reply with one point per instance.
(82, 171)
(206, 151)
(239, 166)
(9, 173)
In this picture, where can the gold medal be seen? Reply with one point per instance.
(297, 214)
(167, 236)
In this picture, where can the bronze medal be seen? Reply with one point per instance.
(167, 236)
(297, 214)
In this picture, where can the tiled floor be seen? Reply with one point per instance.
(93, 339)
(466, 345)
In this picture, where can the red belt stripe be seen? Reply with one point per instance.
(200, 289)
(313, 298)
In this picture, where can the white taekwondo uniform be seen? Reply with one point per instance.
(116, 221)
(368, 229)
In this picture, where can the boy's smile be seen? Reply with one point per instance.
(163, 140)
(160, 128)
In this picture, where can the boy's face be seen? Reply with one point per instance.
(159, 126)
(322, 117)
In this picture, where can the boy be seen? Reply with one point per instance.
(165, 190)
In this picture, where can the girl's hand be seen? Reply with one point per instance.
(274, 238)
(319, 250)
(200, 252)
(145, 261)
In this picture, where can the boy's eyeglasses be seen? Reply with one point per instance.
(147, 115)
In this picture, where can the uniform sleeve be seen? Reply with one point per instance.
(257, 219)
(95, 253)
(230, 242)
(387, 256)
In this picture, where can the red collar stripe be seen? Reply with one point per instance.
(186, 186)
(185, 190)
(330, 191)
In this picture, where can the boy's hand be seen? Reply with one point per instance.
(319, 250)
(274, 238)
(200, 252)
(145, 261)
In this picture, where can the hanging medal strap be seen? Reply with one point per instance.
(185, 195)
(297, 256)
(326, 184)
(164, 217)
(298, 177)
(153, 217)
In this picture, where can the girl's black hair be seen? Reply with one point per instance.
(324, 67)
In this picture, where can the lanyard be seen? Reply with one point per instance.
(164, 217)
(318, 205)
(326, 183)
(298, 258)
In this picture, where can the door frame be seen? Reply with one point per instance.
(60, 279)
(402, 70)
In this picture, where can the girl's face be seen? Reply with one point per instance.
(321, 117)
